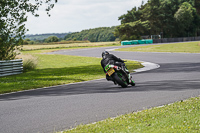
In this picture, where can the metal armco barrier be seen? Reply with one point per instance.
(11, 67)
(181, 39)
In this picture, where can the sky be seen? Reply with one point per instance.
(77, 15)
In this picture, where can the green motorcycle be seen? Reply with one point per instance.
(119, 75)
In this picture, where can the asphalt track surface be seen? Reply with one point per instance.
(63, 107)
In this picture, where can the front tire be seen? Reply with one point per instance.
(119, 80)
(132, 83)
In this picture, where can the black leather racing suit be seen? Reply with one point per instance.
(110, 58)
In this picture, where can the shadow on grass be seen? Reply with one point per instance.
(49, 77)
(49, 73)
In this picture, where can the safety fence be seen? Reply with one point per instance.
(181, 39)
(135, 42)
(11, 67)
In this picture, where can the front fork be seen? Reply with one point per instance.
(128, 74)
(130, 78)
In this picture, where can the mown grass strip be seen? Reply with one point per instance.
(181, 117)
(71, 46)
(187, 47)
(56, 70)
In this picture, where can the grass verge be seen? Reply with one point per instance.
(56, 70)
(188, 47)
(181, 117)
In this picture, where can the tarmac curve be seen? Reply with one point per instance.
(62, 107)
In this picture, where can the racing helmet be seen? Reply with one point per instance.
(104, 53)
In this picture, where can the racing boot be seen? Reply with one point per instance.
(130, 80)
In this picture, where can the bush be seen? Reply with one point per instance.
(9, 47)
(52, 39)
(29, 63)
(31, 42)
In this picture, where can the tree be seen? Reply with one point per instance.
(197, 6)
(52, 39)
(174, 18)
(132, 30)
(131, 16)
(12, 27)
(27, 41)
(185, 17)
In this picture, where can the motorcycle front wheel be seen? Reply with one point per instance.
(132, 83)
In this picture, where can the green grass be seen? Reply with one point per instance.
(56, 70)
(188, 47)
(69, 46)
(180, 117)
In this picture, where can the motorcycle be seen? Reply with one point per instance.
(119, 75)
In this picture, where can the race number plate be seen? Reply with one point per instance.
(110, 71)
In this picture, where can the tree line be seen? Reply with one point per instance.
(46, 40)
(102, 34)
(168, 18)
(39, 37)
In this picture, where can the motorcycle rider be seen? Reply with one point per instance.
(110, 58)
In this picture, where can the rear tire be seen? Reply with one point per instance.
(119, 80)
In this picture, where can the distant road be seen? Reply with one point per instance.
(61, 107)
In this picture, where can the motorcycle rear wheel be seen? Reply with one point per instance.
(119, 80)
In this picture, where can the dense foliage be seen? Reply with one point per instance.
(102, 34)
(52, 39)
(170, 18)
(12, 27)
(40, 37)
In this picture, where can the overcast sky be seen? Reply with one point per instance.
(77, 15)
